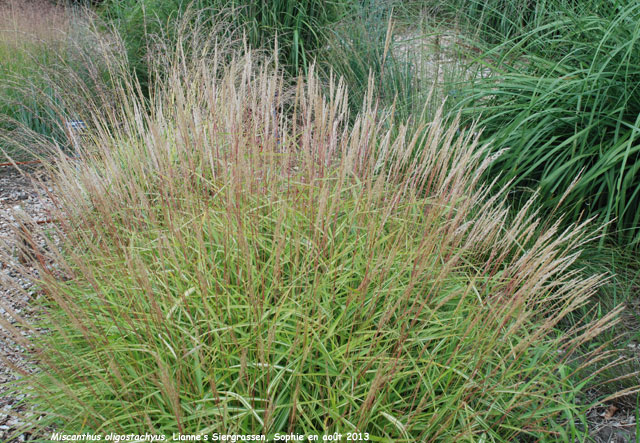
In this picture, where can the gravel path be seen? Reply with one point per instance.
(16, 193)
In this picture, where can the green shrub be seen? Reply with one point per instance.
(226, 267)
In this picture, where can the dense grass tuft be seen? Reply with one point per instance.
(299, 27)
(496, 21)
(31, 34)
(564, 100)
(226, 267)
(48, 55)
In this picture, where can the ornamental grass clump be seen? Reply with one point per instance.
(564, 99)
(46, 49)
(299, 26)
(32, 33)
(234, 257)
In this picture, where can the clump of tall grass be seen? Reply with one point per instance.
(347, 39)
(225, 266)
(564, 100)
(364, 44)
(30, 34)
(40, 41)
(410, 60)
(495, 21)
(298, 26)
